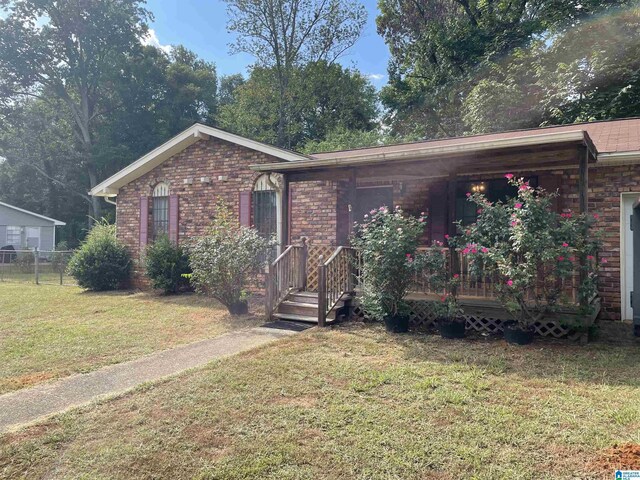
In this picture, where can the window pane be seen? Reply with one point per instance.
(14, 236)
(160, 215)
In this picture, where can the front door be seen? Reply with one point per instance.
(635, 269)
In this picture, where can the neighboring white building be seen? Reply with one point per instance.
(23, 229)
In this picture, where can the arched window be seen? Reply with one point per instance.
(160, 210)
(266, 208)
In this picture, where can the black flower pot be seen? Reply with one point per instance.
(397, 323)
(452, 328)
(239, 308)
(516, 335)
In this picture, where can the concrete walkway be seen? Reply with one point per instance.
(31, 404)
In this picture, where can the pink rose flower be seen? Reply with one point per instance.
(447, 237)
(565, 244)
(560, 258)
(596, 216)
(518, 205)
(604, 260)
(455, 275)
(590, 257)
(474, 250)
(509, 176)
(479, 211)
(510, 282)
(513, 224)
(485, 250)
(468, 194)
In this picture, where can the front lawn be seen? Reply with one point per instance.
(354, 402)
(50, 331)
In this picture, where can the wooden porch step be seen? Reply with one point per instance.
(298, 318)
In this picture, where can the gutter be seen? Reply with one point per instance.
(421, 153)
(619, 158)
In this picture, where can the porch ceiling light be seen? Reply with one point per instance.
(479, 187)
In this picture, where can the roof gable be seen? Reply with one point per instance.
(37, 215)
(109, 187)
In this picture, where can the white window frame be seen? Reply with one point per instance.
(19, 234)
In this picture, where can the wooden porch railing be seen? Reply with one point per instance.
(335, 279)
(286, 273)
(483, 286)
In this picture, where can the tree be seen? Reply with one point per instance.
(284, 34)
(321, 97)
(37, 145)
(590, 72)
(71, 56)
(441, 48)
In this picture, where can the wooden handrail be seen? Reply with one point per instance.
(334, 280)
(283, 254)
(285, 274)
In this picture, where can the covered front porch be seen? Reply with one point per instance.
(431, 177)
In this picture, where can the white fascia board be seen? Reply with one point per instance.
(110, 187)
(425, 152)
(57, 223)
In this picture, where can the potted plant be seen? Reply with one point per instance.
(387, 241)
(435, 269)
(532, 252)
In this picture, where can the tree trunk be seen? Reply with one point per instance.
(96, 207)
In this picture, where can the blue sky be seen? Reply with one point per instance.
(201, 26)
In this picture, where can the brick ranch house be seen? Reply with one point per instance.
(173, 190)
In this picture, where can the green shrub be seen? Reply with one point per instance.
(223, 259)
(101, 262)
(166, 264)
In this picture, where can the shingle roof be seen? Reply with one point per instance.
(608, 137)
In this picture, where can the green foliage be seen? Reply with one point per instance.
(442, 50)
(531, 251)
(224, 257)
(387, 241)
(433, 266)
(166, 264)
(320, 98)
(101, 262)
(311, 31)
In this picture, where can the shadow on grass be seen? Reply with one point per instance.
(605, 361)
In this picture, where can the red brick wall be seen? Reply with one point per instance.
(314, 211)
(210, 158)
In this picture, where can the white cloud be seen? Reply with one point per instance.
(376, 77)
(151, 38)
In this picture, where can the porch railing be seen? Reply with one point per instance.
(286, 273)
(484, 286)
(335, 279)
(478, 286)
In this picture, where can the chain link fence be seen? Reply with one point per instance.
(35, 266)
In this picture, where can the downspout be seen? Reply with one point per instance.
(108, 200)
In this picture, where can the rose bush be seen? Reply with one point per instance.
(387, 241)
(433, 265)
(532, 251)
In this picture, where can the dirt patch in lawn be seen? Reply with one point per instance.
(618, 457)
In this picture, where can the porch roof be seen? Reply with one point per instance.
(467, 147)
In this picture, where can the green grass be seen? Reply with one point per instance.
(355, 402)
(52, 331)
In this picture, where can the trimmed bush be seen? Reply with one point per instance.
(101, 262)
(166, 264)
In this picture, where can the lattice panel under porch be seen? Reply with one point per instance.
(314, 253)
(423, 318)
